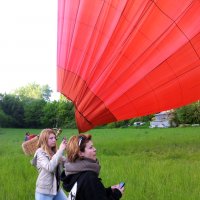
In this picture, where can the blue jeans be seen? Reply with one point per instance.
(59, 196)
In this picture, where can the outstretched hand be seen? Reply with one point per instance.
(121, 189)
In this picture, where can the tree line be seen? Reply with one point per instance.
(30, 106)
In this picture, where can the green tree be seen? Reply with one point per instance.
(66, 114)
(12, 110)
(5, 120)
(34, 112)
(50, 117)
(189, 114)
(34, 91)
(46, 92)
(23, 111)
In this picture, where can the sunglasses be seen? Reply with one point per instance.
(80, 139)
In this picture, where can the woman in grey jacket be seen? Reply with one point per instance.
(49, 163)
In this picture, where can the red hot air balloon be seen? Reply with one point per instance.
(120, 59)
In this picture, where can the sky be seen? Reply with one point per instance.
(28, 44)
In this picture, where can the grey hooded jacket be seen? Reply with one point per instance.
(46, 182)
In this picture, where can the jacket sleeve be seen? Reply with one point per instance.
(93, 188)
(44, 162)
(113, 194)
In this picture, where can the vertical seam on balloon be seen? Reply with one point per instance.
(94, 28)
(71, 43)
(82, 89)
(77, 99)
(93, 70)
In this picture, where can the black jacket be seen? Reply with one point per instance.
(89, 187)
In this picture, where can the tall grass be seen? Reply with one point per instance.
(156, 164)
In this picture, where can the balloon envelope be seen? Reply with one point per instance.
(118, 60)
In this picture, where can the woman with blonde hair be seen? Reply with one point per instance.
(49, 163)
(82, 170)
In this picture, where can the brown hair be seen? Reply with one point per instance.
(76, 144)
(43, 141)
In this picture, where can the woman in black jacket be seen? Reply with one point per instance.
(82, 170)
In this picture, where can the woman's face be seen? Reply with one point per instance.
(52, 140)
(90, 151)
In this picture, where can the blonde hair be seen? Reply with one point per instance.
(76, 144)
(43, 141)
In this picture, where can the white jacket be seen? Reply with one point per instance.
(46, 182)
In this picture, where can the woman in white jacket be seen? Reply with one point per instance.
(49, 162)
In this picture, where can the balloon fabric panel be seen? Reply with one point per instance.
(118, 60)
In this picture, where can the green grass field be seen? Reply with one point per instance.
(156, 164)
